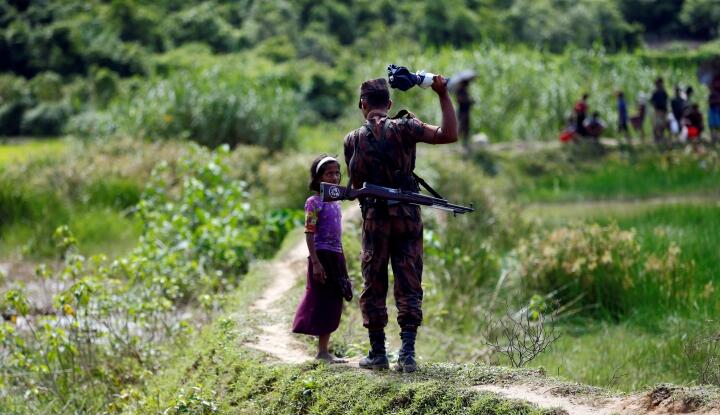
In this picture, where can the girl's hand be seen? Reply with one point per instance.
(318, 272)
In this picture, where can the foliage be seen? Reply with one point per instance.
(582, 23)
(602, 267)
(704, 351)
(107, 321)
(211, 108)
(462, 252)
(96, 46)
(702, 17)
(221, 369)
(44, 119)
(211, 220)
(552, 176)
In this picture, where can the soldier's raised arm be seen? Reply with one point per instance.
(447, 131)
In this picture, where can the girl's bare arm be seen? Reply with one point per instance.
(318, 271)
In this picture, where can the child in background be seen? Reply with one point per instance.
(622, 116)
(319, 311)
(638, 120)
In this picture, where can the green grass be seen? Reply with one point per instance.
(98, 231)
(23, 150)
(649, 346)
(615, 177)
(220, 371)
(627, 356)
(693, 227)
(217, 372)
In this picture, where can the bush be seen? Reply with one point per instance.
(201, 23)
(46, 119)
(105, 86)
(105, 325)
(46, 87)
(211, 108)
(15, 98)
(462, 252)
(601, 267)
(701, 17)
(285, 179)
(92, 125)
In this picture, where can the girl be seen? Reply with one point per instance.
(319, 311)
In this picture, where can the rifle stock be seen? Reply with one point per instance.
(332, 192)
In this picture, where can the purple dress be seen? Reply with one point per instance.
(320, 308)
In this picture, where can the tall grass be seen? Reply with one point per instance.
(651, 344)
(19, 151)
(695, 230)
(210, 106)
(547, 177)
(523, 93)
(628, 356)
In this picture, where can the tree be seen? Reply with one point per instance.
(701, 17)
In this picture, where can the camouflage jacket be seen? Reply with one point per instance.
(382, 152)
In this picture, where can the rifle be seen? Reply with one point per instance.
(332, 192)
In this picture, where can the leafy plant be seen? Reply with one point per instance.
(109, 319)
(603, 267)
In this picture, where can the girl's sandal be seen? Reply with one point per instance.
(330, 359)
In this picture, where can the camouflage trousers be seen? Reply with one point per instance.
(398, 240)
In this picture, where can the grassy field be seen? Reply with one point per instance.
(550, 176)
(652, 344)
(18, 150)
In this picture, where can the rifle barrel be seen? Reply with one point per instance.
(331, 192)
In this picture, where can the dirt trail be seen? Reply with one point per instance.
(275, 339)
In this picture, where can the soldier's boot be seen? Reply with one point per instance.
(406, 358)
(377, 357)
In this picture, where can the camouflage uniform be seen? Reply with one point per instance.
(382, 152)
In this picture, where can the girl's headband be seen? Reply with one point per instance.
(323, 161)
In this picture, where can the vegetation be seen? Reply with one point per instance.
(545, 177)
(97, 69)
(147, 237)
(219, 375)
(107, 320)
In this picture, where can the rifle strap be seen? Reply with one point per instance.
(386, 124)
(427, 187)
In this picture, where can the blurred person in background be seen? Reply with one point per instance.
(659, 101)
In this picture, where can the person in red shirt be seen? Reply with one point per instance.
(580, 110)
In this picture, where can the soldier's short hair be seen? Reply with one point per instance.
(375, 92)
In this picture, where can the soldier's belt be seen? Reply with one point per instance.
(332, 192)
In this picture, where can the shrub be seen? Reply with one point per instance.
(211, 108)
(105, 86)
(46, 87)
(601, 267)
(105, 326)
(15, 98)
(285, 178)
(92, 125)
(46, 119)
(462, 252)
(201, 23)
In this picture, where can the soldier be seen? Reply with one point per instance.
(382, 152)
(465, 103)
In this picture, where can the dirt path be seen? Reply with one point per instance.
(275, 339)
